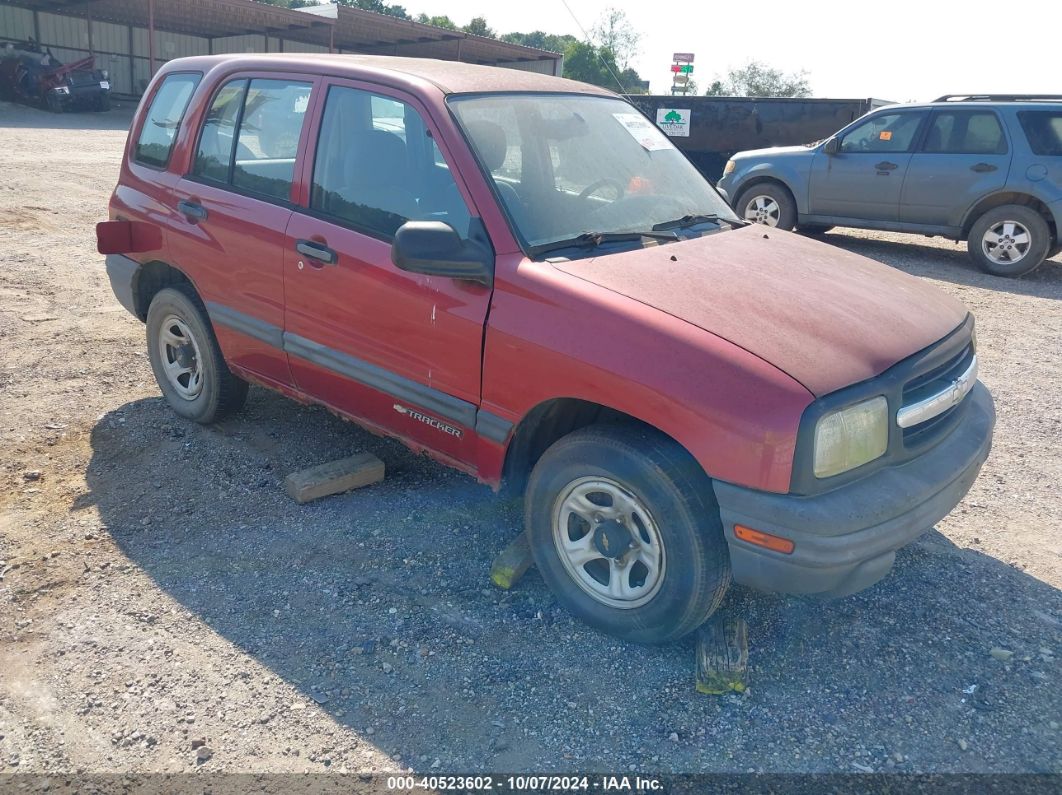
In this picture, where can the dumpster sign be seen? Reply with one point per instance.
(674, 121)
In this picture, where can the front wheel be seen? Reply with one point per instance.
(1009, 241)
(186, 359)
(625, 531)
(767, 203)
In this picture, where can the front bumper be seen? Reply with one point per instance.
(846, 539)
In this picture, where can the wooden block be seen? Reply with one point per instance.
(511, 563)
(334, 477)
(722, 655)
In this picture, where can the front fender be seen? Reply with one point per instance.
(553, 336)
(794, 178)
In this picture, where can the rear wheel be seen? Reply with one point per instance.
(625, 531)
(767, 203)
(1009, 241)
(186, 359)
(103, 103)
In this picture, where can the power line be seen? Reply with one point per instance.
(590, 41)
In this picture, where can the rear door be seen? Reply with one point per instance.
(233, 206)
(398, 350)
(964, 156)
(864, 178)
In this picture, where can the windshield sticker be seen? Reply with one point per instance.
(885, 135)
(674, 121)
(643, 131)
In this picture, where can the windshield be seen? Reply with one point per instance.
(568, 164)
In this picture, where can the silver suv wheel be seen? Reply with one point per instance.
(608, 542)
(762, 210)
(180, 357)
(1006, 242)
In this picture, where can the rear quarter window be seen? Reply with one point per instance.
(1043, 130)
(154, 145)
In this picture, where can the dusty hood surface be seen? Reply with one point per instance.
(826, 317)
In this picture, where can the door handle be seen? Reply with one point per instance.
(316, 251)
(983, 168)
(885, 165)
(193, 211)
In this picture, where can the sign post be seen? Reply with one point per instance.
(681, 69)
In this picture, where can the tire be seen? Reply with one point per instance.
(667, 501)
(813, 230)
(998, 234)
(208, 390)
(103, 103)
(767, 203)
(53, 103)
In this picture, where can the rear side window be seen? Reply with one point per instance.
(1043, 128)
(159, 131)
(250, 137)
(969, 132)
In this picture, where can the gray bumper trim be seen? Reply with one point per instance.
(122, 272)
(847, 538)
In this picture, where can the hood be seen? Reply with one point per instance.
(826, 317)
(772, 152)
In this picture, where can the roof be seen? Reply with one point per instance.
(339, 26)
(451, 77)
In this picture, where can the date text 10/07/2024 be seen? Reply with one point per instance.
(488, 783)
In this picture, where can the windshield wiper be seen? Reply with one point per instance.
(595, 239)
(693, 220)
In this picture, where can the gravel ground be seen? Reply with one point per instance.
(161, 596)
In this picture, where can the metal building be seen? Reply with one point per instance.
(132, 38)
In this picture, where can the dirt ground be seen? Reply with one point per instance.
(160, 592)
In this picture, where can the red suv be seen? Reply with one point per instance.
(521, 277)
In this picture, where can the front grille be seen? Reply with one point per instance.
(931, 382)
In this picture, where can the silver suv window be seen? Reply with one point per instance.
(1043, 128)
(885, 132)
(968, 132)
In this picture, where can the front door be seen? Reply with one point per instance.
(399, 351)
(234, 205)
(863, 179)
(964, 156)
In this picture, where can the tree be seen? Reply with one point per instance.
(615, 32)
(378, 6)
(479, 27)
(541, 41)
(438, 21)
(757, 79)
(591, 64)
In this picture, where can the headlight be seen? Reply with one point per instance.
(61, 90)
(851, 437)
(729, 167)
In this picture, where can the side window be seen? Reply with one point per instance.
(376, 166)
(159, 131)
(268, 142)
(250, 137)
(974, 132)
(213, 158)
(1043, 128)
(885, 132)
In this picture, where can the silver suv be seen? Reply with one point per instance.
(985, 169)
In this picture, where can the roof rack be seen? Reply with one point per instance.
(999, 98)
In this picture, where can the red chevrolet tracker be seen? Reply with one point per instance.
(520, 276)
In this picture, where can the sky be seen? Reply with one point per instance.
(899, 50)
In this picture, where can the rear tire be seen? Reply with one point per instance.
(624, 529)
(103, 103)
(767, 203)
(186, 359)
(1010, 240)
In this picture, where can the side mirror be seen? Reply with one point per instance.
(832, 146)
(435, 249)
